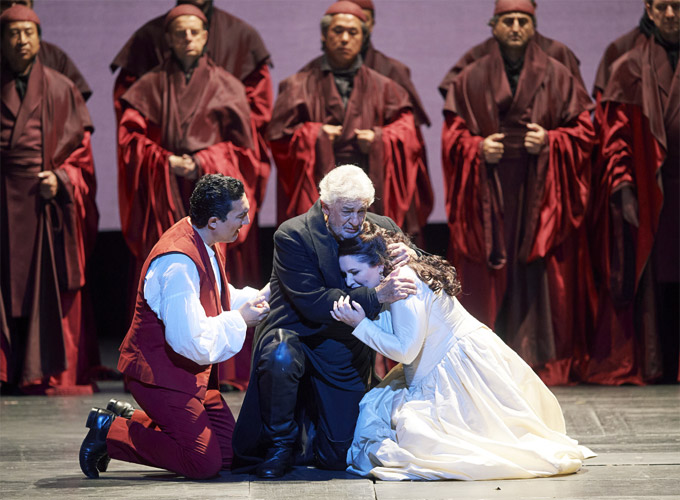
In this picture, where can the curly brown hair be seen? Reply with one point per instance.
(371, 245)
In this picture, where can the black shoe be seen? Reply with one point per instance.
(93, 449)
(121, 408)
(278, 461)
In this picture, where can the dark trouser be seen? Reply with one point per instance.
(174, 431)
(292, 393)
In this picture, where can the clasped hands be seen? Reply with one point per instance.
(183, 166)
(255, 310)
(365, 137)
(391, 289)
(534, 140)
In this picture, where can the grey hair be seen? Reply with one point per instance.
(346, 182)
(326, 23)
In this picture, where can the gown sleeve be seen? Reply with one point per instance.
(400, 339)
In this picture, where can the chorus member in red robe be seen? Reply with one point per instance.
(423, 199)
(637, 204)
(340, 111)
(54, 57)
(238, 48)
(555, 49)
(187, 318)
(185, 118)
(49, 219)
(515, 150)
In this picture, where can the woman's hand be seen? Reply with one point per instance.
(343, 311)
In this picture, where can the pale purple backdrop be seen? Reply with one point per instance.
(427, 35)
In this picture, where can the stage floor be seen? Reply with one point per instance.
(634, 430)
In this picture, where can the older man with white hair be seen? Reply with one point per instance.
(309, 373)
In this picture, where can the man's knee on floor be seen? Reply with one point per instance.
(202, 465)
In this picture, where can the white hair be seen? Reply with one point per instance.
(346, 182)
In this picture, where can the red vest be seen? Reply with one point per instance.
(144, 353)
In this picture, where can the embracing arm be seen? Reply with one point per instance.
(300, 276)
(400, 339)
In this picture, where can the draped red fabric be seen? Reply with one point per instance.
(556, 50)
(423, 198)
(516, 226)
(639, 152)
(47, 243)
(237, 47)
(208, 118)
(304, 154)
(54, 57)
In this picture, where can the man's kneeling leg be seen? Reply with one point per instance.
(280, 367)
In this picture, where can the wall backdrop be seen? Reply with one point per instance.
(427, 35)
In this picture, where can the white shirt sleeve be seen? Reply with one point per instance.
(171, 288)
(400, 339)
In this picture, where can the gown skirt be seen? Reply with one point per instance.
(480, 413)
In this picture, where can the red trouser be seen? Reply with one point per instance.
(175, 431)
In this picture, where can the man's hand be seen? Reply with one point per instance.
(183, 166)
(266, 292)
(535, 139)
(492, 148)
(365, 138)
(394, 288)
(332, 131)
(401, 254)
(254, 311)
(49, 184)
(629, 206)
(343, 311)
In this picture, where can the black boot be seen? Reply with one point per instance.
(93, 449)
(281, 365)
(277, 462)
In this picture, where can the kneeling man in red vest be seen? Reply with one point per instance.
(187, 318)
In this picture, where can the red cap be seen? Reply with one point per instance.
(347, 7)
(18, 12)
(364, 4)
(184, 9)
(505, 6)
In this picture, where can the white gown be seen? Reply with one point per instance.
(465, 405)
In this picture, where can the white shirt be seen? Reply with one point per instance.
(171, 288)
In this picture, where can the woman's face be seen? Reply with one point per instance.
(359, 273)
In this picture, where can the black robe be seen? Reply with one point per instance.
(305, 281)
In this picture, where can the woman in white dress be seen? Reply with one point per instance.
(462, 405)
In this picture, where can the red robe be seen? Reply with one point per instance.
(235, 46)
(423, 200)
(209, 118)
(640, 141)
(556, 50)
(515, 227)
(304, 154)
(45, 244)
(53, 57)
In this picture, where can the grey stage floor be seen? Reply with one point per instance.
(634, 430)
